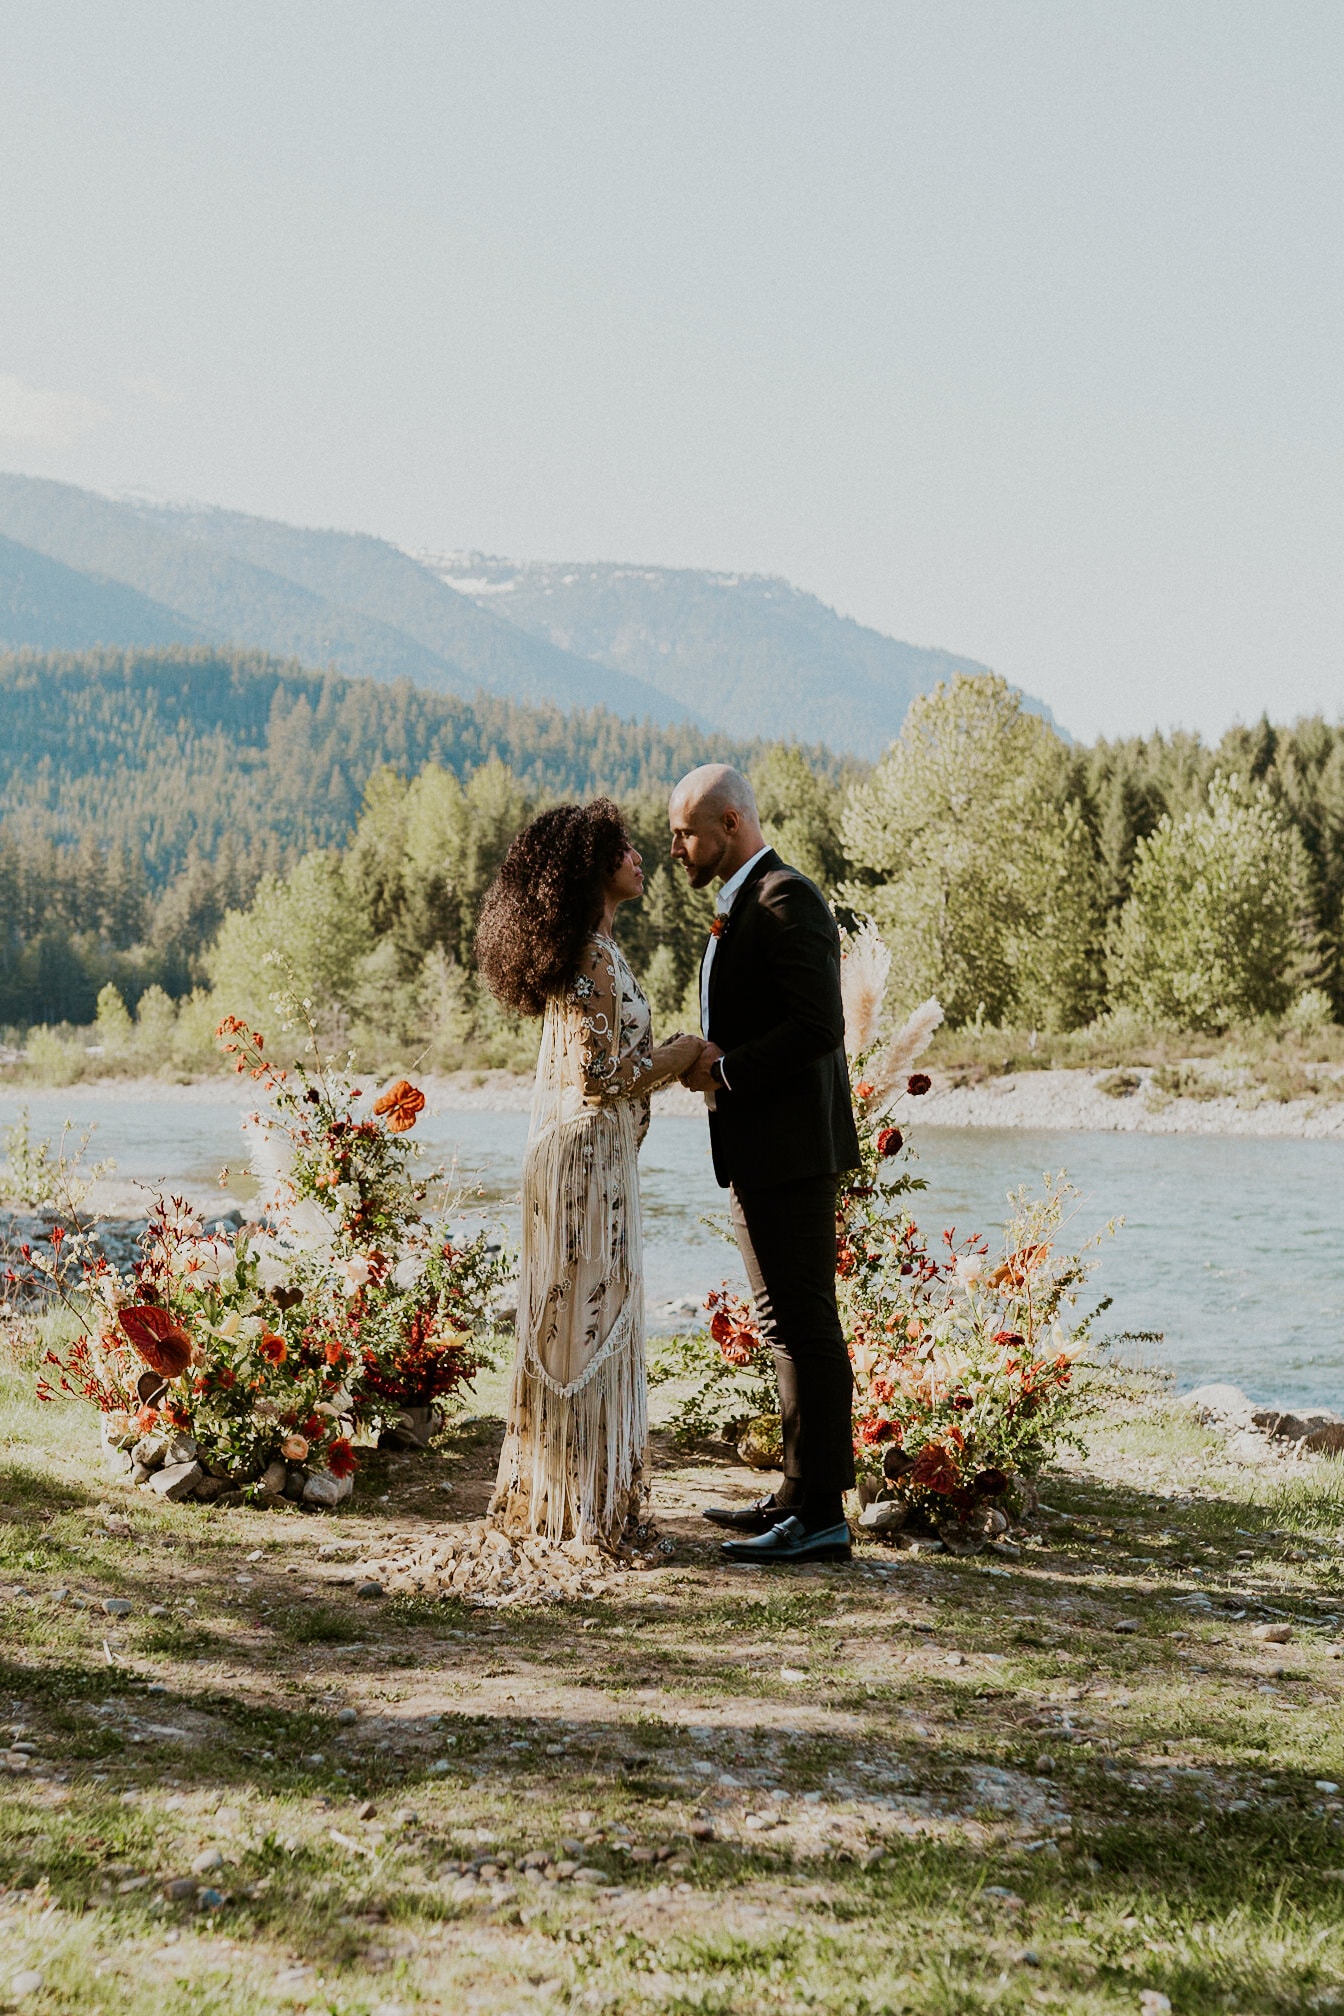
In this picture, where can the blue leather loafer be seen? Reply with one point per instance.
(791, 1541)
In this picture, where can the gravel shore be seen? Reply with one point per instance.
(1066, 1101)
(1073, 1101)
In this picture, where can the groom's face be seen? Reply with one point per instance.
(701, 838)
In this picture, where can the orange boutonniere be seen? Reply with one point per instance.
(401, 1102)
(719, 926)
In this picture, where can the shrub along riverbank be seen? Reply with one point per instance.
(1067, 1775)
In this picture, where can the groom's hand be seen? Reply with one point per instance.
(697, 1079)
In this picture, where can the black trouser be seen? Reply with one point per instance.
(786, 1235)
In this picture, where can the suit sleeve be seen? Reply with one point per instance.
(800, 953)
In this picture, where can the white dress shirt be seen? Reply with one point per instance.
(723, 903)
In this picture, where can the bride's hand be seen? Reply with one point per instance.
(679, 1054)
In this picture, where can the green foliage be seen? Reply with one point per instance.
(304, 933)
(171, 819)
(1217, 926)
(144, 794)
(979, 867)
(799, 814)
(33, 1176)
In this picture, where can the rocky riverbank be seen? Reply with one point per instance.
(1137, 1101)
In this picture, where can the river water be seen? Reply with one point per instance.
(1232, 1248)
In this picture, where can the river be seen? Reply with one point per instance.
(1232, 1248)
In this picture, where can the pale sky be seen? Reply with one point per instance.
(1013, 328)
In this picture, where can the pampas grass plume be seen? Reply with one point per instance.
(911, 1040)
(865, 965)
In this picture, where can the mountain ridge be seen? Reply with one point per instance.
(747, 656)
(744, 647)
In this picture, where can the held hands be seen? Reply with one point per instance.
(678, 1055)
(697, 1078)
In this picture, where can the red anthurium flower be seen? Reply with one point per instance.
(158, 1337)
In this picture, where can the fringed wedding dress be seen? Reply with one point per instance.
(575, 1457)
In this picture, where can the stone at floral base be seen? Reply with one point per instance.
(152, 1450)
(759, 1444)
(883, 1515)
(274, 1477)
(959, 1539)
(177, 1480)
(116, 1455)
(209, 1489)
(326, 1491)
(866, 1490)
(294, 1483)
(412, 1431)
(181, 1449)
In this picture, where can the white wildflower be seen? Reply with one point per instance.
(354, 1274)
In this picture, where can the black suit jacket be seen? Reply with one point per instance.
(775, 1012)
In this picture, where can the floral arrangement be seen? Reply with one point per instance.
(963, 1367)
(293, 1340)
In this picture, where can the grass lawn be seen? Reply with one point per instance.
(1058, 1777)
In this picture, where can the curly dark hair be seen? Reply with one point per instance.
(546, 899)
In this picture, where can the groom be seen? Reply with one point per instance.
(781, 1126)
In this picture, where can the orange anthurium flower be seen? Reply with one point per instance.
(400, 1103)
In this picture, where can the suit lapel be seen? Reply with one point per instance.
(742, 902)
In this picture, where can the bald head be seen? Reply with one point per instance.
(715, 825)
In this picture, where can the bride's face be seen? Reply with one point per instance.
(627, 881)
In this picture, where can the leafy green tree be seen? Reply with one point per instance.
(800, 813)
(1218, 926)
(306, 934)
(112, 1024)
(977, 866)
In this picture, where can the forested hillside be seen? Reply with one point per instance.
(175, 822)
(327, 598)
(743, 654)
(52, 607)
(144, 793)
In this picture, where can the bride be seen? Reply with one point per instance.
(574, 1462)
